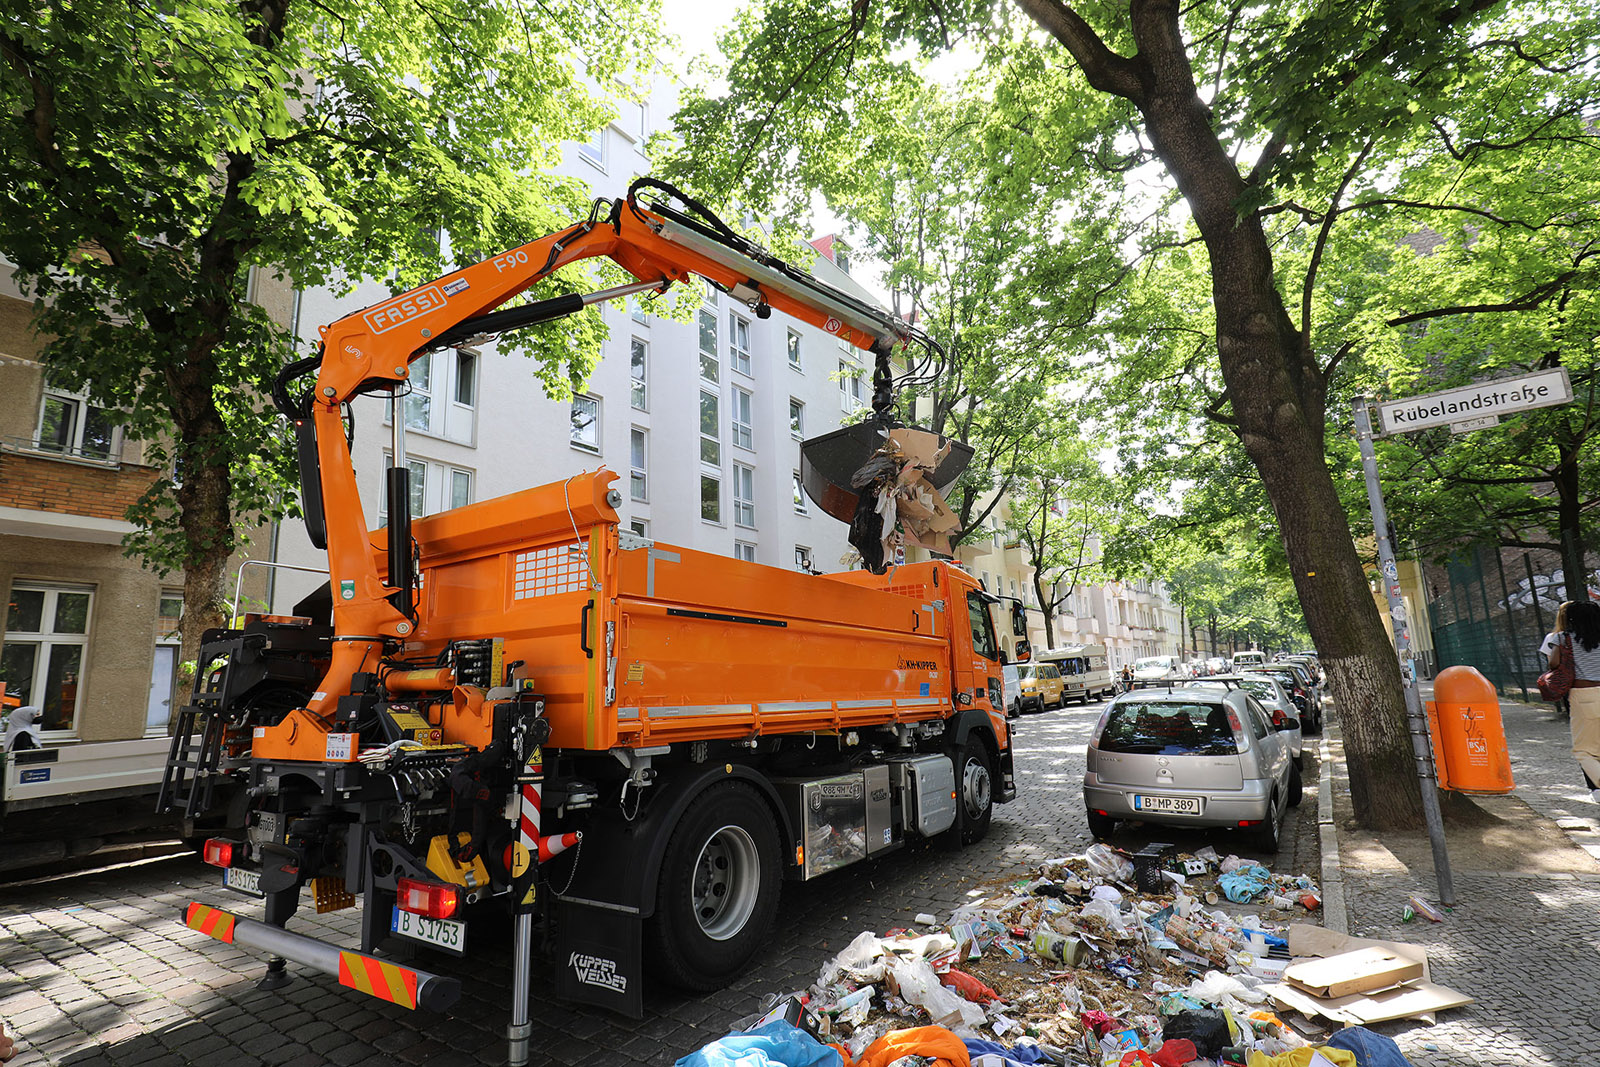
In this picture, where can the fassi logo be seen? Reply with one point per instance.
(403, 309)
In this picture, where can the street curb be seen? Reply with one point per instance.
(1335, 913)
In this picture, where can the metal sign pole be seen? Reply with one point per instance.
(1417, 720)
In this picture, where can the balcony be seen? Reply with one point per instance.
(67, 495)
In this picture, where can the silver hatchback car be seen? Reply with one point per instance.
(1190, 757)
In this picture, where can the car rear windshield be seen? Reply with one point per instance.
(1169, 729)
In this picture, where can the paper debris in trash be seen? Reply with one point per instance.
(924, 919)
(1306, 940)
(1361, 971)
(1416, 1001)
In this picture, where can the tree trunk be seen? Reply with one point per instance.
(1569, 513)
(204, 498)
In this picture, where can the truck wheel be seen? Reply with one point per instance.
(718, 891)
(974, 792)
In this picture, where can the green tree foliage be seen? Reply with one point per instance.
(1064, 509)
(1280, 139)
(153, 157)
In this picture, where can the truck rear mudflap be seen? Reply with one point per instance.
(405, 986)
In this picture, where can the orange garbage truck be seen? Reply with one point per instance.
(520, 706)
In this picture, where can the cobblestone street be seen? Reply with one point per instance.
(99, 969)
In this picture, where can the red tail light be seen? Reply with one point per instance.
(218, 853)
(1277, 718)
(432, 899)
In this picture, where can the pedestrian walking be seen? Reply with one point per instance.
(1580, 640)
(1562, 704)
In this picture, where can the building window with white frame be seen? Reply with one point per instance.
(710, 367)
(594, 149)
(639, 359)
(42, 661)
(744, 495)
(739, 342)
(418, 403)
(794, 351)
(585, 432)
(744, 550)
(466, 378)
(710, 430)
(164, 665)
(797, 419)
(637, 312)
(800, 496)
(802, 559)
(743, 431)
(640, 528)
(460, 487)
(71, 426)
(710, 498)
(849, 387)
(638, 448)
(419, 489)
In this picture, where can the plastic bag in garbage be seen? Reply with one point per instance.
(919, 985)
(1107, 862)
(777, 1044)
(859, 958)
(1245, 884)
(1216, 985)
(1103, 911)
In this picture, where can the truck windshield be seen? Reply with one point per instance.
(983, 642)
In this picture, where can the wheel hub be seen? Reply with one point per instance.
(975, 788)
(727, 881)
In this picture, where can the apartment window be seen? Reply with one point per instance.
(744, 550)
(637, 312)
(710, 369)
(419, 489)
(802, 559)
(638, 359)
(710, 498)
(738, 342)
(799, 495)
(794, 350)
(47, 630)
(641, 119)
(72, 426)
(636, 464)
(164, 664)
(419, 401)
(797, 419)
(594, 149)
(640, 527)
(710, 430)
(849, 386)
(466, 378)
(984, 581)
(744, 495)
(743, 433)
(460, 488)
(586, 423)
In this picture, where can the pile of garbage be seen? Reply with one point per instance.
(1105, 959)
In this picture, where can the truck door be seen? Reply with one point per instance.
(982, 674)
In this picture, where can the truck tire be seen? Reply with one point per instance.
(718, 890)
(974, 792)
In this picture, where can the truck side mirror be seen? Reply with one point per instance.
(1024, 651)
(1019, 620)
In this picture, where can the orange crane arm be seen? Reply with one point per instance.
(372, 350)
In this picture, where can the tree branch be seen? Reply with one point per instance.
(1106, 70)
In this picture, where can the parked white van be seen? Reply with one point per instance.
(1085, 671)
(1249, 659)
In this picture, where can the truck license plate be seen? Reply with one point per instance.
(448, 934)
(1167, 805)
(242, 880)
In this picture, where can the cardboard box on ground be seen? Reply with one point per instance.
(1357, 981)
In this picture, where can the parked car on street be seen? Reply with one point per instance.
(1155, 668)
(1041, 686)
(1012, 687)
(1307, 697)
(1190, 757)
(1251, 658)
(1217, 665)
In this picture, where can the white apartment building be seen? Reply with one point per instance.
(701, 420)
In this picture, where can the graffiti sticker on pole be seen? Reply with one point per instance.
(1472, 403)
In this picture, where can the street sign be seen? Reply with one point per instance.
(1501, 396)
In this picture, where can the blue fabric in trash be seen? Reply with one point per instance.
(1023, 1054)
(1372, 1050)
(777, 1044)
(1245, 884)
(1271, 940)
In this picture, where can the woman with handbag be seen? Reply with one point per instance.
(1552, 639)
(1577, 656)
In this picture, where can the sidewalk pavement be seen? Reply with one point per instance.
(1524, 935)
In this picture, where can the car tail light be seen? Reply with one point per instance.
(1245, 824)
(218, 853)
(1277, 718)
(432, 899)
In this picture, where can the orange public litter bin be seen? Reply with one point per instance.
(1469, 740)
